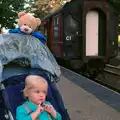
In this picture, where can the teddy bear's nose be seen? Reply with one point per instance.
(26, 29)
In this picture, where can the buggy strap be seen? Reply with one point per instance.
(29, 111)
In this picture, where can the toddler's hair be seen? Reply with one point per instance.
(32, 81)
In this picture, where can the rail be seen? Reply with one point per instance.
(110, 77)
(112, 69)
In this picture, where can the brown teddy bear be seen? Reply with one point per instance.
(27, 25)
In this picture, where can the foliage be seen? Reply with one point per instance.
(9, 10)
(116, 4)
(47, 6)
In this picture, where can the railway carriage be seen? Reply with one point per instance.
(83, 34)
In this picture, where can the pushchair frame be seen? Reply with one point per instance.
(10, 70)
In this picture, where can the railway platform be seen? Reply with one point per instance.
(87, 100)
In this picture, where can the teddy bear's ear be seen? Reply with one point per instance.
(20, 14)
(38, 21)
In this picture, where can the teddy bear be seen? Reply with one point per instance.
(27, 25)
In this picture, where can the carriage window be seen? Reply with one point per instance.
(44, 28)
(45, 32)
(57, 21)
(56, 28)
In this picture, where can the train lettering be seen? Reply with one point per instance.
(68, 38)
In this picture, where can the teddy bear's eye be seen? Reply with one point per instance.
(24, 24)
(30, 26)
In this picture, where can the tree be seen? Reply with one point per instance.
(47, 6)
(116, 4)
(9, 10)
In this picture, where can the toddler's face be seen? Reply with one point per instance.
(37, 94)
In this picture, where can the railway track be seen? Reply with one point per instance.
(112, 69)
(110, 77)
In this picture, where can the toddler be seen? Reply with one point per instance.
(36, 107)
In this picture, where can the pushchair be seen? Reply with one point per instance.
(22, 55)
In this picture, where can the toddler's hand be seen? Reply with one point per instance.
(50, 109)
(39, 109)
(35, 114)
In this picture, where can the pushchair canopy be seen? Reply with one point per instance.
(27, 50)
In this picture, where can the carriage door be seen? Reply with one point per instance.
(92, 24)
